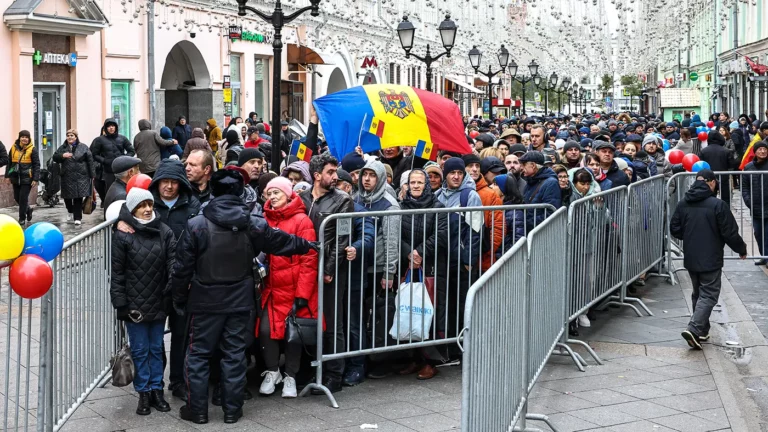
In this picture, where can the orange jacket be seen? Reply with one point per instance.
(494, 220)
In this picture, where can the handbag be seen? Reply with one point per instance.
(89, 203)
(414, 313)
(300, 330)
(122, 364)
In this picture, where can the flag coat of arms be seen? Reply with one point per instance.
(387, 115)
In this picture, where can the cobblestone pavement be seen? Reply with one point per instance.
(650, 380)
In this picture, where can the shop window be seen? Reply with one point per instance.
(261, 88)
(397, 75)
(121, 106)
(234, 76)
(391, 73)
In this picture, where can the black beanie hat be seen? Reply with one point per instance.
(248, 154)
(233, 136)
(226, 182)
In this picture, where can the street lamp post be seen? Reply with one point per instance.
(406, 32)
(474, 59)
(564, 89)
(533, 68)
(278, 19)
(547, 87)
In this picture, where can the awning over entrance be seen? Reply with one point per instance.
(89, 19)
(456, 80)
(303, 55)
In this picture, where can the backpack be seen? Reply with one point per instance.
(487, 238)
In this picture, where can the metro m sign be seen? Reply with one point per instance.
(369, 62)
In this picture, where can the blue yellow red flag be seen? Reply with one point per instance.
(387, 115)
(301, 151)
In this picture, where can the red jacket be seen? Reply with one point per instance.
(254, 143)
(289, 277)
(494, 220)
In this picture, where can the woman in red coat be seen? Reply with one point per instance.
(291, 281)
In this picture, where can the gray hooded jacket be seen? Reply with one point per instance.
(388, 234)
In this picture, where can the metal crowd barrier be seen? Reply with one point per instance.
(751, 185)
(354, 303)
(78, 328)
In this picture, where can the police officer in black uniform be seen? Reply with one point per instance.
(213, 280)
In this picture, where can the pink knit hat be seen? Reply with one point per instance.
(281, 183)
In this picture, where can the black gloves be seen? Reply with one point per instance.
(300, 303)
(315, 246)
(677, 168)
(122, 313)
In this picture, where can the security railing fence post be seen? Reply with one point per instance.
(625, 244)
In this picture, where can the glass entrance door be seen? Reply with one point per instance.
(48, 120)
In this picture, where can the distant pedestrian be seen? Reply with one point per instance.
(77, 173)
(23, 173)
(706, 225)
(182, 132)
(108, 146)
(148, 143)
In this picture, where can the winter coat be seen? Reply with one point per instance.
(389, 227)
(616, 176)
(335, 201)
(738, 142)
(754, 189)
(706, 225)
(3, 155)
(214, 135)
(300, 167)
(77, 172)
(672, 136)
(141, 267)
(596, 218)
(148, 143)
(289, 277)
(463, 232)
(602, 180)
(717, 156)
(213, 271)
(196, 142)
(116, 192)
(182, 133)
(660, 159)
(426, 233)
(541, 188)
(105, 148)
(494, 220)
(696, 121)
(684, 146)
(186, 205)
(25, 161)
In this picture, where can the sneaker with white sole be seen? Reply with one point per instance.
(691, 339)
(289, 387)
(70, 218)
(584, 321)
(78, 223)
(271, 379)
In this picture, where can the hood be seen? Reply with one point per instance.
(295, 206)
(233, 136)
(111, 121)
(211, 122)
(543, 174)
(150, 228)
(228, 211)
(696, 118)
(198, 133)
(249, 196)
(699, 191)
(174, 170)
(594, 187)
(467, 183)
(381, 176)
(300, 167)
(426, 200)
(144, 125)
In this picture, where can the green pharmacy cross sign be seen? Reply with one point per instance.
(37, 58)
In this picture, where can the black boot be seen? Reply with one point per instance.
(233, 417)
(157, 401)
(186, 414)
(144, 403)
(29, 214)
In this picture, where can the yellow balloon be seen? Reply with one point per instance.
(11, 238)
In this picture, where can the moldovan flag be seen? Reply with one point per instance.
(750, 153)
(301, 151)
(380, 116)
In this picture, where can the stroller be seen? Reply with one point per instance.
(50, 177)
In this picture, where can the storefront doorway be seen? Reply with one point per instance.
(50, 118)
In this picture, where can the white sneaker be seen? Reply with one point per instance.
(78, 223)
(584, 321)
(289, 387)
(70, 218)
(271, 379)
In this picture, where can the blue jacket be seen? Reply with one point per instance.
(364, 235)
(182, 134)
(542, 188)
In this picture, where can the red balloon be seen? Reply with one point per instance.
(710, 124)
(675, 156)
(689, 160)
(140, 181)
(474, 134)
(30, 276)
(703, 136)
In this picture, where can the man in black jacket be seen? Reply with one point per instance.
(3, 155)
(720, 158)
(213, 280)
(706, 225)
(607, 152)
(321, 201)
(108, 146)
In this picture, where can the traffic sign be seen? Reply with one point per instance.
(693, 76)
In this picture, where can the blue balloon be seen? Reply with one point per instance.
(44, 240)
(666, 145)
(698, 166)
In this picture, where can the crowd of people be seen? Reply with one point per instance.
(225, 247)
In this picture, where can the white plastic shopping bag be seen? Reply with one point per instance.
(413, 317)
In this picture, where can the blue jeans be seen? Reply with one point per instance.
(761, 234)
(146, 339)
